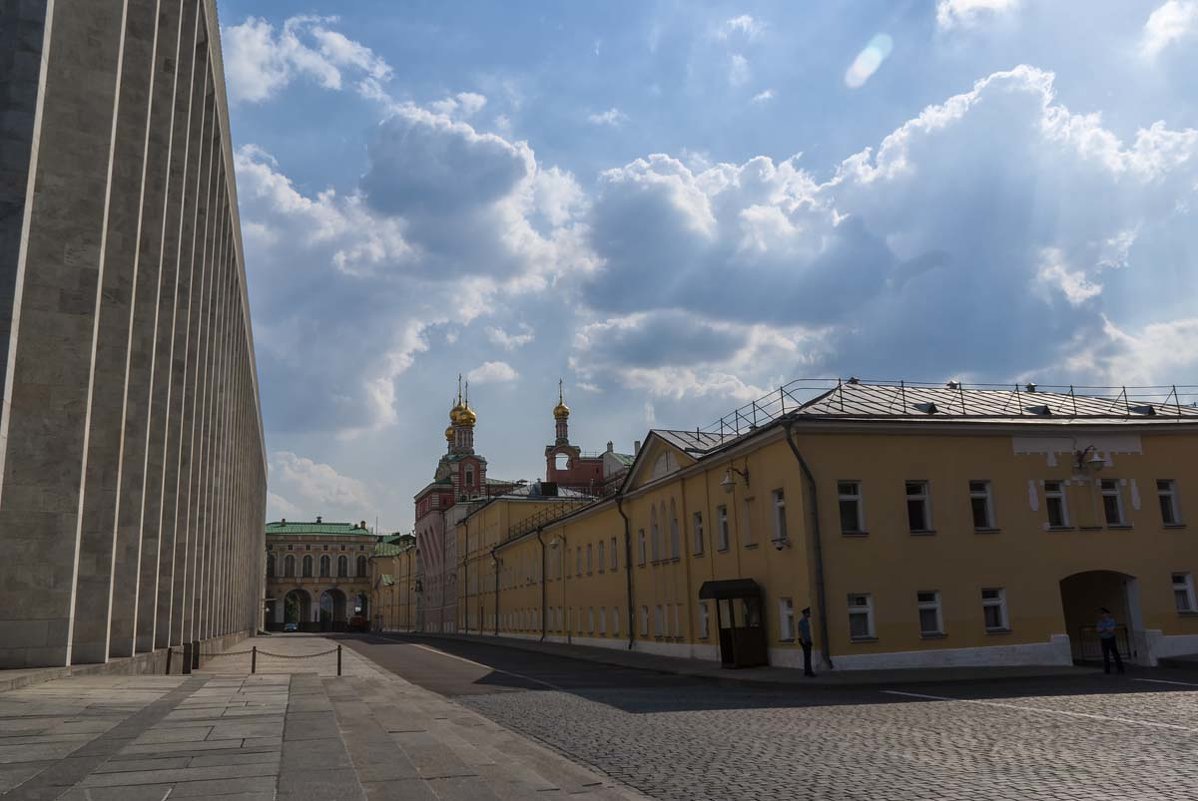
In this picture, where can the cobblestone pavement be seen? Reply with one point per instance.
(687, 740)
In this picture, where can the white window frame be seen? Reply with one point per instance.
(786, 619)
(862, 603)
(615, 621)
(603, 621)
(999, 601)
(725, 536)
(614, 556)
(678, 620)
(779, 498)
(675, 537)
(924, 497)
(1184, 583)
(578, 560)
(925, 605)
(1112, 488)
(697, 533)
(659, 620)
(654, 538)
(590, 620)
(986, 495)
(601, 556)
(1166, 492)
(857, 498)
(1060, 494)
(590, 559)
(644, 621)
(704, 621)
(640, 546)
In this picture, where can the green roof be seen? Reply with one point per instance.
(389, 549)
(293, 528)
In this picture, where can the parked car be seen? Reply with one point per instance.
(291, 627)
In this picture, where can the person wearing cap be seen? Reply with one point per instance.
(805, 640)
(1106, 636)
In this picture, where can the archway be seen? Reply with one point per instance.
(297, 607)
(332, 609)
(1083, 594)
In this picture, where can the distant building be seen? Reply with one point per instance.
(317, 574)
(568, 466)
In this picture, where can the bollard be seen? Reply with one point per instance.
(338, 660)
(254, 659)
(195, 655)
(169, 651)
(186, 657)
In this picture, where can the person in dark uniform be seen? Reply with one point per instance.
(805, 640)
(1106, 636)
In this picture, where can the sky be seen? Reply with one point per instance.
(675, 207)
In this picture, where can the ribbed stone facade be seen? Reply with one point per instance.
(132, 463)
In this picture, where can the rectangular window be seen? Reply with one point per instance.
(931, 622)
(677, 620)
(644, 621)
(704, 621)
(779, 516)
(994, 609)
(602, 621)
(1166, 494)
(721, 514)
(658, 620)
(919, 513)
(640, 546)
(697, 532)
(590, 620)
(861, 616)
(852, 508)
(1055, 505)
(601, 556)
(578, 561)
(1183, 592)
(590, 560)
(786, 619)
(747, 529)
(982, 503)
(614, 557)
(615, 622)
(1112, 502)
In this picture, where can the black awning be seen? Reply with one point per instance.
(729, 588)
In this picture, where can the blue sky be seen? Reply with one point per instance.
(677, 206)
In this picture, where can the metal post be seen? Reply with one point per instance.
(338, 659)
(187, 657)
(254, 659)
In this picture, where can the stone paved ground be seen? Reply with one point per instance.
(678, 739)
(297, 733)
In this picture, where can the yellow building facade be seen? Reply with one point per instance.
(923, 526)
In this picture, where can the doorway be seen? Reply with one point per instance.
(1083, 594)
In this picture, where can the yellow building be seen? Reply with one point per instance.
(924, 526)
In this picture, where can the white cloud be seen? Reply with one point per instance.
(1158, 354)
(260, 62)
(309, 488)
(493, 373)
(764, 96)
(1073, 284)
(509, 341)
(968, 13)
(738, 70)
(743, 25)
(463, 104)
(1171, 22)
(613, 117)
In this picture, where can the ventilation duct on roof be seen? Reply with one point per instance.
(1146, 409)
(927, 408)
(1041, 411)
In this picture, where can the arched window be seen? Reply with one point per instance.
(308, 566)
(342, 566)
(324, 566)
(561, 461)
(654, 535)
(289, 566)
(270, 565)
(361, 566)
(675, 535)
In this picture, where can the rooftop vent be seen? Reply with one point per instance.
(1040, 411)
(853, 380)
(953, 385)
(318, 518)
(283, 521)
(1146, 409)
(927, 408)
(1030, 387)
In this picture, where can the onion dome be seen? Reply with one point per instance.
(455, 414)
(561, 411)
(449, 434)
(467, 417)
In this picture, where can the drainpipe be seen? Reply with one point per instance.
(818, 548)
(495, 559)
(631, 619)
(544, 587)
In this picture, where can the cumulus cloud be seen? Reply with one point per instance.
(493, 373)
(738, 70)
(613, 118)
(967, 13)
(764, 96)
(464, 104)
(260, 61)
(510, 341)
(989, 227)
(743, 26)
(305, 487)
(1172, 21)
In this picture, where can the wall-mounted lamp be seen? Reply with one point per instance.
(728, 483)
(1088, 460)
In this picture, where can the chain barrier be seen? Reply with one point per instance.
(191, 656)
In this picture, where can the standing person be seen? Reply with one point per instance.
(1106, 635)
(805, 640)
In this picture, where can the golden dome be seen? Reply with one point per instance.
(449, 434)
(561, 411)
(455, 414)
(467, 417)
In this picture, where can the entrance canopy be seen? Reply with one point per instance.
(729, 588)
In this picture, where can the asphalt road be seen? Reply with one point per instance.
(690, 739)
